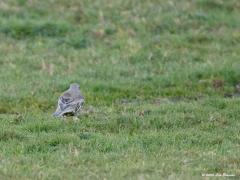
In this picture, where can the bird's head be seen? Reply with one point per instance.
(74, 86)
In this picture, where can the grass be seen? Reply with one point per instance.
(159, 80)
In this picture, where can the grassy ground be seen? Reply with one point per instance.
(158, 76)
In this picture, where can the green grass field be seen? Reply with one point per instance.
(158, 78)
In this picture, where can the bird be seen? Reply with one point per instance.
(70, 102)
(237, 87)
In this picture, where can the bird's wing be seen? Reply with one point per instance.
(68, 104)
(69, 99)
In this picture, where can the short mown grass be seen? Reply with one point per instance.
(159, 78)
